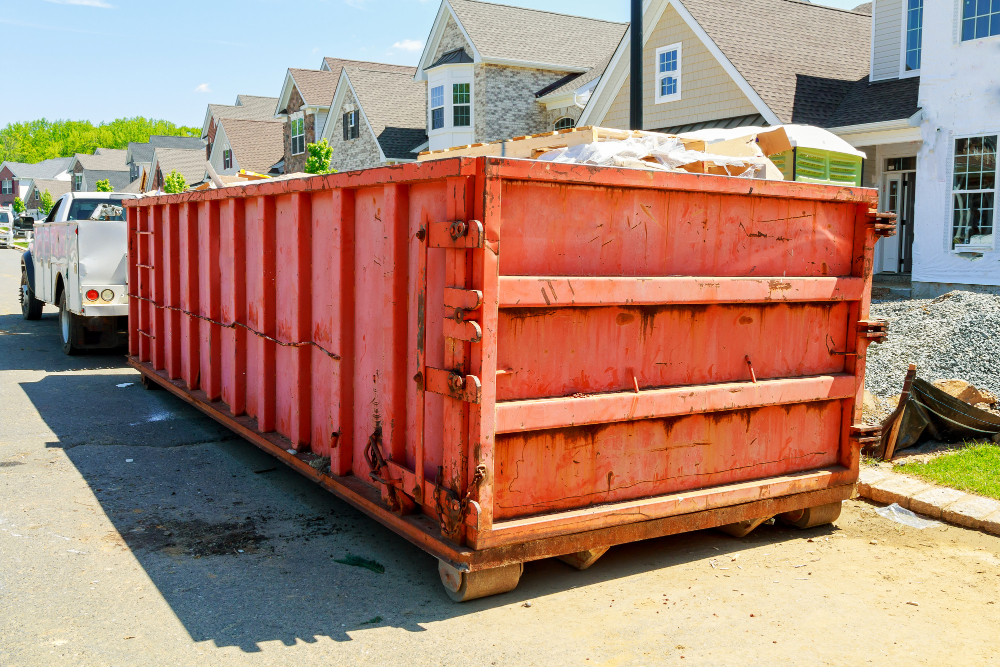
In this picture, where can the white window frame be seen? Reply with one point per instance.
(657, 80)
(454, 104)
(8, 186)
(227, 158)
(447, 76)
(555, 125)
(295, 120)
(961, 26)
(955, 248)
(442, 107)
(904, 8)
(78, 182)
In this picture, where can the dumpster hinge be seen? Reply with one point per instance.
(451, 510)
(466, 388)
(884, 223)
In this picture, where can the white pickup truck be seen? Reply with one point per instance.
(77, 262)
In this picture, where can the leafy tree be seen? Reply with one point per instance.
(174, 183)
(46, 202)
(18, 205)
(318, 161)
(104, 186)
(36, 140)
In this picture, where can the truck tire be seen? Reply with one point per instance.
(69, 327)
(31, 308)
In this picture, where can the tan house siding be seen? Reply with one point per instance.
(888, 39)
(452, 39)
(360, 153)
(707, 91)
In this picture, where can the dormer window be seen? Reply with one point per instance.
(668, 73)
(914, 30)
(227, 159)
(437, 107)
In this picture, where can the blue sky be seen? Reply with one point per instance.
(103, 59)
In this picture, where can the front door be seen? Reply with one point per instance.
(898, 194)
(891, 190)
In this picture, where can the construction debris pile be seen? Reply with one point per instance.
(952, 336)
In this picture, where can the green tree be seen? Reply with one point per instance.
(18, 205)
(46, 203)
(36, 140)
(174, 183)
(318, 161)
(104, 186)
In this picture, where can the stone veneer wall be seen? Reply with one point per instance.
(360, 153)
(505, 101)
(451, 39)
(297, 163)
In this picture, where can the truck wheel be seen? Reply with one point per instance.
(69, 327)
(812, 516)
(31, 308)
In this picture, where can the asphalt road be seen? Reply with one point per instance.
(135, 531)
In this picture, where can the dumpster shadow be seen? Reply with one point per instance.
(245, 551)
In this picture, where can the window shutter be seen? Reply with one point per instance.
(355, 133)
(346, 130)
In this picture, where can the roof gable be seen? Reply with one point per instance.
(190, 163)
(256, 145)
(249, 107)
(395, 108)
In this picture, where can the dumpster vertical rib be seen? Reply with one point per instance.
(299, 315)
(420, 237)
(343, 215)
(232, 254)
(171, 296)
(132, 217)
(156, 260)
(142, 286)
(265, 307)
(210, 301)
(189, 247)
(395, 216)
(324, 293)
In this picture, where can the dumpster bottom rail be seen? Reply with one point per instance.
(424, 531)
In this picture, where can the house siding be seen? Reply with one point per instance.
(887, 39)
(297, 163)
(552, 115)
(707, 91)
(78, 169)
(360, 153)
(7, 175)
(505, 104)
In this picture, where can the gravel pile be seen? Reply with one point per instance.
(956, 335)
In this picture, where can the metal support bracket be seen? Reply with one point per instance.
(865, 437)
(875, 330)
(456, 234)
(450, 383)
(884, 223)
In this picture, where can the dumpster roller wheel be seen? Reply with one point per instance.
(465, 586)
(812, 516)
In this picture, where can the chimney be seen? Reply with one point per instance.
(635, 91)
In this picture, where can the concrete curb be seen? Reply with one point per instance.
(938, 502)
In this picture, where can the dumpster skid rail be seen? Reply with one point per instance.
(506, 360)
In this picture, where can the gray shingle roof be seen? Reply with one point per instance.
(877, 102)
(56, 188)
(118, 179)
(257, 145)
(140, 151)
(133, 187)
(801, 58)
(109, 160)
(44, 169)
(315, 86)
(395, 106)
(337, 64)
(189, 162)
(253, 108)
(452, 57)
(515, 33)
(573, 83)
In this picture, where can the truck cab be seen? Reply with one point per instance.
(77, 262)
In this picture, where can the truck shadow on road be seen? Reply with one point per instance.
(245, 551)
(36, 346)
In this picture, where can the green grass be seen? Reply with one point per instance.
(975, 469)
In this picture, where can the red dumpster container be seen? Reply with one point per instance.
(507, 360)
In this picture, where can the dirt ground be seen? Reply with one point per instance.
(134, 531)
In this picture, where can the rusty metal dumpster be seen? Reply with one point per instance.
(508, 360)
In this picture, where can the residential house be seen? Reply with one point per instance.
(188, 162)
(108, 165)
(303, 107)
(380, 117)
(247, 107)
(15, 177)
(139, 155)
(495, 72)
(39, 186)
(956, 200)
(251, 145)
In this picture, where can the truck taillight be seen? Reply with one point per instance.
(92, 295)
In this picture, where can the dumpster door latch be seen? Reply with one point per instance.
(380, 473)
(451, 510)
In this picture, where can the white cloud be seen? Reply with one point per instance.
(83, 3)
(203, 88)
(408, 45)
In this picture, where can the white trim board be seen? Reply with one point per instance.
(437, 32)
(617, 69)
